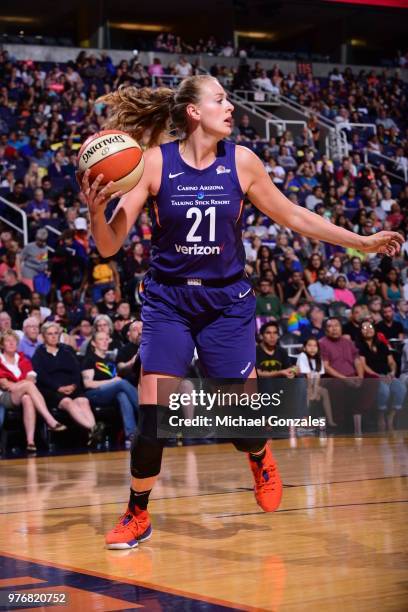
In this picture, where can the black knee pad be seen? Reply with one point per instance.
(249, 445)
(147, 449)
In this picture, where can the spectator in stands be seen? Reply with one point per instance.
(316, 328)
(12, 286)
(267, 302)
(352, 328)
(271, 360)
(108, 303)
(5, 321)
(342, 361)
(370, 290)
(391, 289)
(315, 198)
(314, 264)
(183, 68)
(128, 365)
(17, 383)
(379, 363)
(74, 311)
(103, 386)
(246, 130)
(285, 159)
(264, 82)
(357, 277)
(298, 322)
(294, 289)
(83, 333)
(34, 258)
(401, 315)
(321, 291)
(31, 339)
(375, 309)
(59, 379)
(388, 327)
(310, 364)
(18, 195)
(38, 209)
(342, 293)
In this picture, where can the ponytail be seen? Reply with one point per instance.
(140, 112)
(151, 114)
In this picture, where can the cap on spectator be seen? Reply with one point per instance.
(80, 224)
(65, 289)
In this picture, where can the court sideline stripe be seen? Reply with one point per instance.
(146, 585)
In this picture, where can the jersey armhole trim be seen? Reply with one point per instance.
(235, 171)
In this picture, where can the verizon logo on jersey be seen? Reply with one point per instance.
(197, 249)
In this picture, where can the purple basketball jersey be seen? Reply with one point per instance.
(197, 217)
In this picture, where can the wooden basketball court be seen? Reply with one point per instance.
(338, 542)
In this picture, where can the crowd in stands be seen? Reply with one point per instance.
(62, 303)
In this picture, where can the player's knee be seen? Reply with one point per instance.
(249, 445)
(147, 449)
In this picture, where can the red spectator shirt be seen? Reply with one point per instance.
(340, 354)
(25, 368)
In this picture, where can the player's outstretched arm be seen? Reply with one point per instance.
(269, 200)
(109, 237)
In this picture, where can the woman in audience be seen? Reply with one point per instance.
(103, 386)
(59, 379)
(380, 364)
(342, 293)
(391, 287)
(313, 266)
(17, 383)
(310, 364)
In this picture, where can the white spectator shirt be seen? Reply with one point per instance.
(184, 71)
(386, 205)
(304, 365)
(278, 174)
(312, 201)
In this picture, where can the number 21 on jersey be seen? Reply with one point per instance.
(196, 214)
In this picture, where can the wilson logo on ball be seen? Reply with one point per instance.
(116, 155)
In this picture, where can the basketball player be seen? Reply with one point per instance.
(196, 294)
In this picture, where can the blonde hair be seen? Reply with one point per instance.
(157, 112)
(9, 333)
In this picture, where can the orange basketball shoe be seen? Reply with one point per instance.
(130, 530)
(268, 483)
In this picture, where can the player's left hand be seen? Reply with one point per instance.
(386, 243)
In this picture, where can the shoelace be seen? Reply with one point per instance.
(267, 474)
(122, 525)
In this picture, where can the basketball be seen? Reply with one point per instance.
(114, 154)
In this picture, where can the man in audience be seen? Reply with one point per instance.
(401, 315)
(342, 362)
(321, 291)
(351, 329)
(271, 360)
(267, 302)
(31, 338)
(13, 286)
(388, 327)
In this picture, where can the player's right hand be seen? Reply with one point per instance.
(96, 195)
